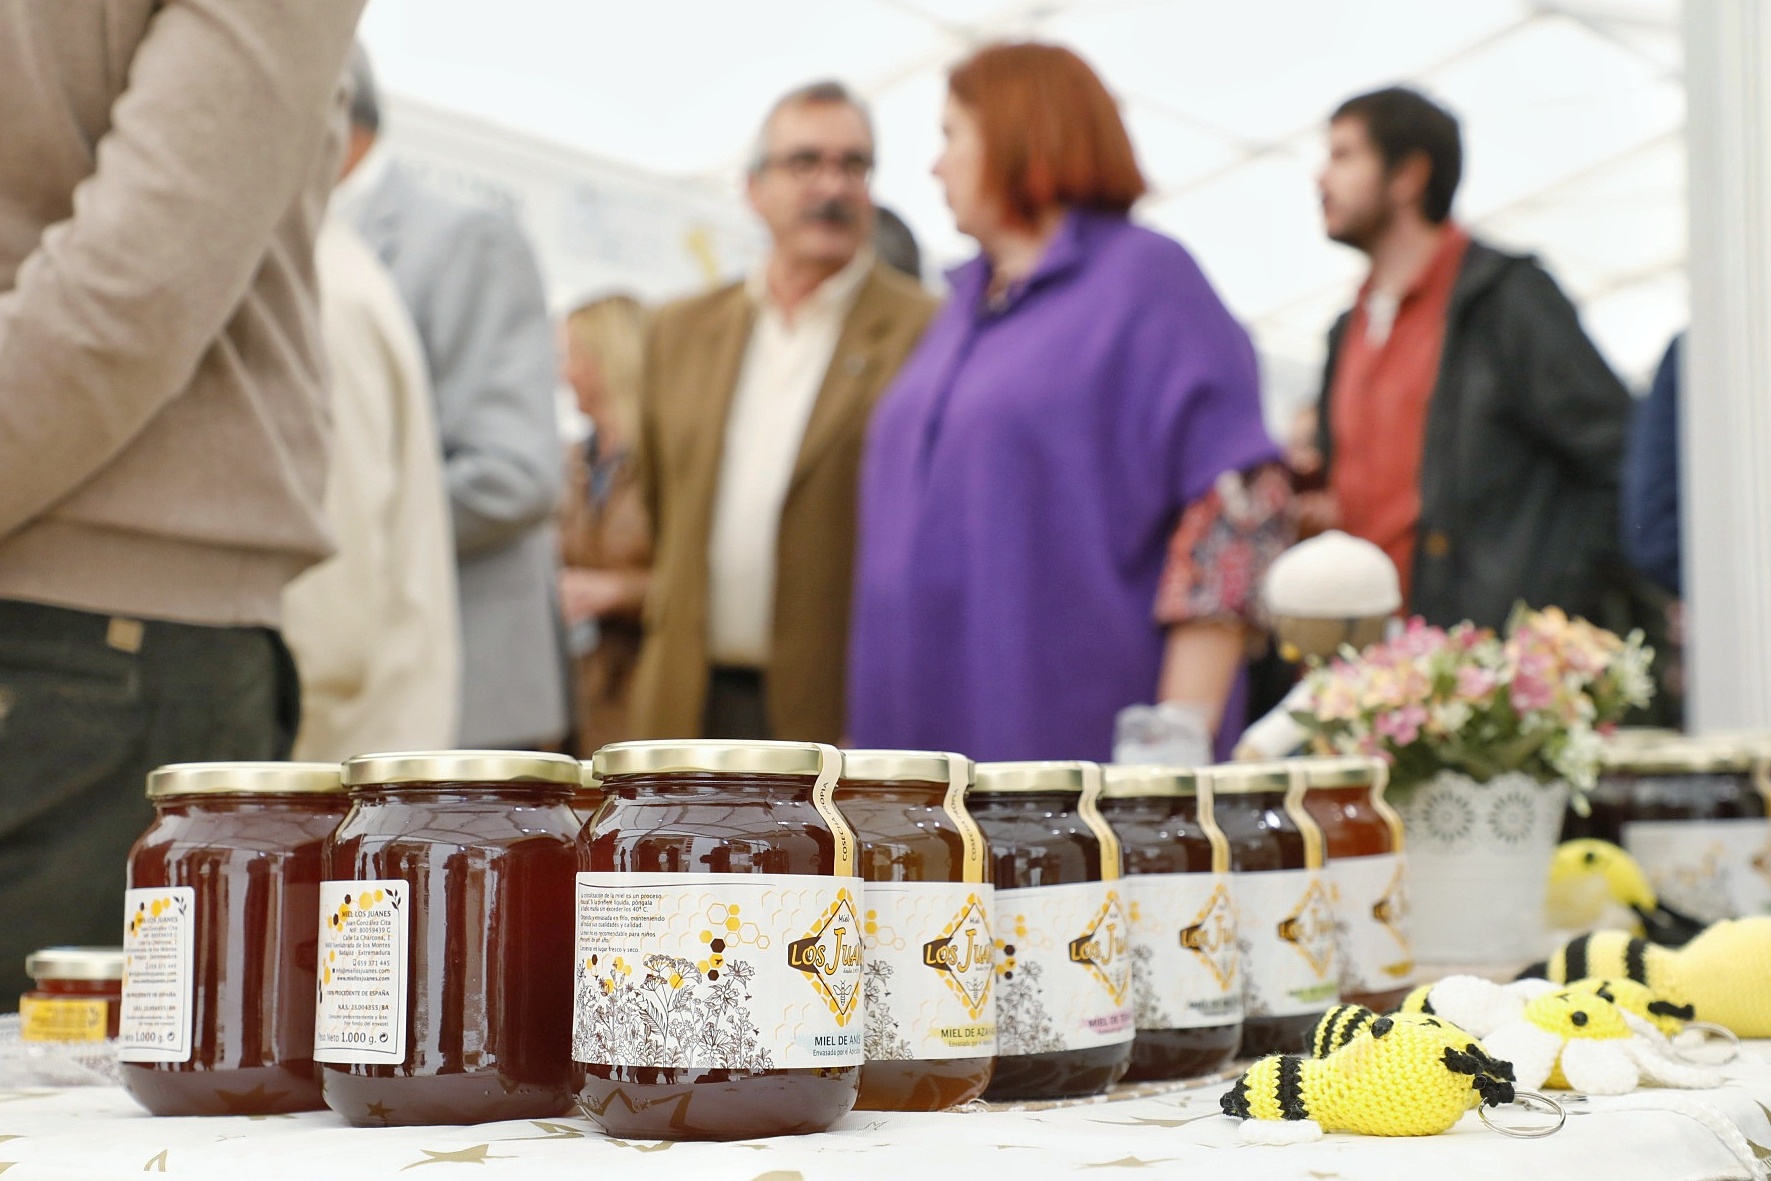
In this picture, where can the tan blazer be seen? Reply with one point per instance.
(693, 355)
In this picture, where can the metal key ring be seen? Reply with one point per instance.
(1529, 1101)
(1711, 1033)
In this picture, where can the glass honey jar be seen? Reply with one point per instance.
(220, 938)
(1186, 965)
(1063, 946)
(1692, 812)
(78, 995)
(1367, 877)
(718, 975)
(1285, 916)
(445, 992)
(929, 997)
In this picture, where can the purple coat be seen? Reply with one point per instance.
(1022, 478)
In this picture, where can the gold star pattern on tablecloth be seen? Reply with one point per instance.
(478, 1154)
(1131, 1162)
(1145, 1121)
(643, 1145)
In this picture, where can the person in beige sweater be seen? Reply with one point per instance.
(163, 424)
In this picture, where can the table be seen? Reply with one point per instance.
(97, 1132)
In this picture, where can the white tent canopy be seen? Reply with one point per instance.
(1573, 115)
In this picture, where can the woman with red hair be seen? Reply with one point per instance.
(1057, 520)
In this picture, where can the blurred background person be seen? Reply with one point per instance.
(605, 541)
(471, 283)
(163, 429)
(895, 243)
(1055, 525)
(374, 627)
(1652, 537)
(1467, 424)
(754, 408)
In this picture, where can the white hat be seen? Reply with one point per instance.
(1333, 576)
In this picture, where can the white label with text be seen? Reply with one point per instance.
(720, 971)
(159, 940)
(360, 1015)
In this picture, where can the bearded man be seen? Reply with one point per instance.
(1468, 425)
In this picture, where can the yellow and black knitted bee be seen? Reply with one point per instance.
(1375, 1076)
(1720, 974)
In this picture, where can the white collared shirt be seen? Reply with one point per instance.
(778, 383)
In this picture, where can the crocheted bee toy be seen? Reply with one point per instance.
(1586, 874)
(1580, 1041)
(1408, 1075)
(1721, 974)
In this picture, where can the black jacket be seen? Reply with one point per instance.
(1525, 434)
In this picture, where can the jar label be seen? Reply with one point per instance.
(159, 938)
(1710, 869)
(1186, 966)
(1371, 922)
(62, 1019)
(718, 971)
(1285, 926)
(1063, 969)
(931, 964)
(360, 1012)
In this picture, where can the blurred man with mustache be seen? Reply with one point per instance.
(753, 410)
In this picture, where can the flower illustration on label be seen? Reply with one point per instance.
(1104, 949)
(1212, 937)
(830, 957)
(1310, 928)
(965, 955)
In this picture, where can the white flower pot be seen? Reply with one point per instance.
(1478, 865)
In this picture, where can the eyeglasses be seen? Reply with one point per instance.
(803, 165)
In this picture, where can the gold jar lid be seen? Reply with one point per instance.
(903, 766)
(1229, 779)
(1027, 778)
(1679, 756)
(1125, 781)
(224, 779)
(1339, 771)
(588, 778)
(708, 757)
(461, 766)
(75, 963)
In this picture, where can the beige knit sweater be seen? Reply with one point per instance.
(164, 167)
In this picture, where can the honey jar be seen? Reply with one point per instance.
(929, 996)
(1285, 914)
(1367, 877)
(1063, 937)
(78, 995)
(1692, 812)
(1186, 965)
(220, 940)
(718, 976)
(445, 993)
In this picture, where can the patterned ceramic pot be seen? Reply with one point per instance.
(1478, 863)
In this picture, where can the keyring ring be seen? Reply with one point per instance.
(1710, 1032)
(1529, 1101)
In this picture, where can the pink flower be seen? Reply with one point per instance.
(1475, 684)
(1402, 726)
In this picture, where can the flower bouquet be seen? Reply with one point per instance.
(1486, 738)
(1430, 700)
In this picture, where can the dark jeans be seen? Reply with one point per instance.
(88, 706)
(737, 705)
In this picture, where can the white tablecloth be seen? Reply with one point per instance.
(100, 1133)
